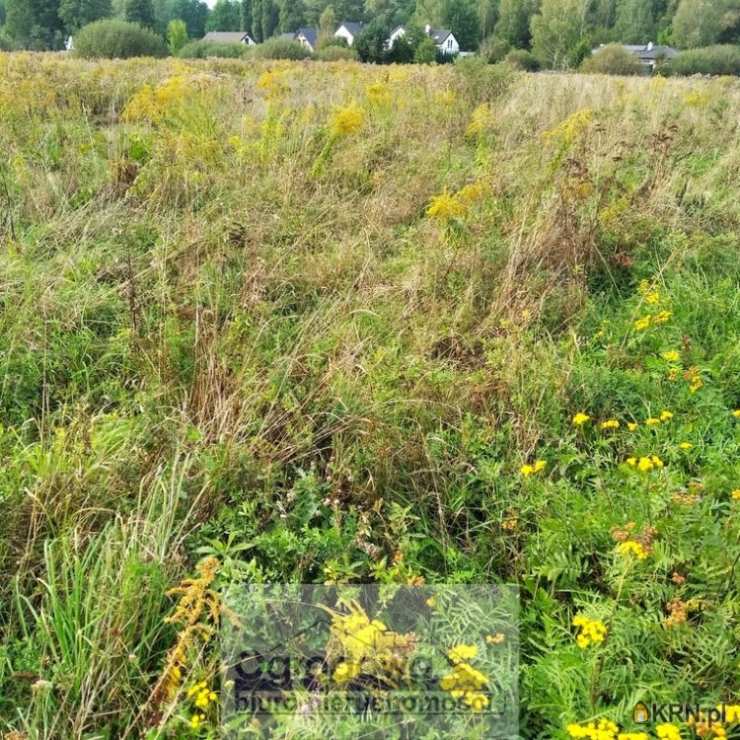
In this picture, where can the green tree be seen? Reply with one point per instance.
(34, 24)
(140, 11)
(635, 22)
(370, 44)
(245, 16)
(705, 22)
(291, 15)
(177, 35)
(194, 13)
(257, 21)
(426, 51)
(225, 16)
(513, 24)
(461, 17)
(327, 26)
(487, 17)
(558, 32)
(78, 13)
(270, 18)
(2, 12)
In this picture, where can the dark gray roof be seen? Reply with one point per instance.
(646, 52)
(310, 34)
(658, 52)
(354, 27)
(438, 35)
(226, 37)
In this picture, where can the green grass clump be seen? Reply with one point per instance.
(339, 323)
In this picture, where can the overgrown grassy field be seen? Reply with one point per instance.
(338, 323)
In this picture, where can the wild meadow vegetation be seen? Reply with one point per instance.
(334, 323)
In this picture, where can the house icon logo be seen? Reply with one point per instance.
(640, 714)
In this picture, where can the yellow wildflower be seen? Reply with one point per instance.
(590, 631)
(652, 421)
(643, 323)
(668, 732)
(496, 639)
(671, 356)
(662, 317)
(732, 713)
(632, 425)
(580, 419)
(346, 671)
(347, 120)
(527, 470)
(632, 548)
(444, 207)
(197, 720)
(686, 446)
(652, 297)
(472, 192)
(481, 119)
(610, 424)
(736, 413)
(666, 415)
(631, 461)
(465, 682)
(735, 495)
(633, 736)
(604, 729)
(461, 653)
(378, 93)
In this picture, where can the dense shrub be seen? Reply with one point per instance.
(204, 49)
(279, 48)
(494, 49)
(335, 53)
(113, 39)
(6, 43)
(522, 59)
(709, 60)
(612, 60)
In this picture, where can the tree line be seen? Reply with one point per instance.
(559, 32)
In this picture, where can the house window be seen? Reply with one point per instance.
(449, 43)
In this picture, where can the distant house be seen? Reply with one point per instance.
(444, 39)
(649, 55)
(349, 31)
(229, 37)
(308, 37)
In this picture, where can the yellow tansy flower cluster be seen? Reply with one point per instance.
(645, 464)
(604, 729)
(197, 720)
(668, 731)
(590, 631)
(580, 419)
(366, 645)
(645, 322)
(693, 377)
(735, 495)
(465, 682)
(632, 548)
(610, 424)
(201, 695)
(527, 470)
